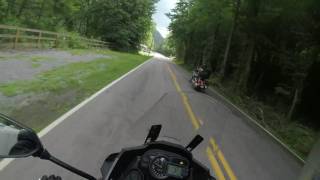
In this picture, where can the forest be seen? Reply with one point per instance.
(264, 55)
(123, 23)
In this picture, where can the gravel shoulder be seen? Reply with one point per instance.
(24, 65)
(36, 87)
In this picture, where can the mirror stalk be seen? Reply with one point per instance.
(47, 156)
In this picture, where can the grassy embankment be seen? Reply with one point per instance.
(64, 87)
(298, 137)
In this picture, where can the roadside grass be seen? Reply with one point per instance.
(35, 65)
(18, 56)
(74, 82)
(88, 76)
(185, 66)
(298, 137)
(36, 59)
(84, 51)
(97, 51)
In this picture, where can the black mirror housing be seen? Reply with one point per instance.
(17, 140)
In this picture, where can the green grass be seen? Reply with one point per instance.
(19, 56)
(98, 51)
(86, 76)
(66, 86)
(297, 136)
(185, 66)
(80, 51)
(35, 65)
(36, 59)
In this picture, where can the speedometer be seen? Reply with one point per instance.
(158, 168)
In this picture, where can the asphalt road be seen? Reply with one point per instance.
(159, 92)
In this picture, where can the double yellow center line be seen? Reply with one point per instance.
(214, 154)
(214, 151)
(195, 122)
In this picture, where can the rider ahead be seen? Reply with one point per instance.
(202, 72)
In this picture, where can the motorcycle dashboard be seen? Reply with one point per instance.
(157, 161)
(163, 164)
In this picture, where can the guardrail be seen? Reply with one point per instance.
(16, 35)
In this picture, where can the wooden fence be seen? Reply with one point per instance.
(14, 36)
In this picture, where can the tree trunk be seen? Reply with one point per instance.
(207, 52)
(261, 76)
(233, 27)
(259, 81)
(293, 104)
(22, 7)
(41, 10)
(11, 7)
(246, 67)
(186, 54)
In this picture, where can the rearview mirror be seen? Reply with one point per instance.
(16, 140)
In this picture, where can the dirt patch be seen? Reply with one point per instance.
(36, 91)
(38, 111)
(24, 65)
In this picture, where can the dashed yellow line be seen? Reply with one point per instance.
(195, 122)
(211, 153)
(215, 165)
(222, 159)
(174, 78)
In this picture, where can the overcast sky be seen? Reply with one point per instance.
(160, 18)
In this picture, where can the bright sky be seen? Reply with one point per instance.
(160, 18)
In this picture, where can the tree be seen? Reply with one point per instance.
(262, 49)
(234, 23)
(123, 23)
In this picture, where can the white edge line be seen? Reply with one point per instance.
(6, 162)
(259, 125)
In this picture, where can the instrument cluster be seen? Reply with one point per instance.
(163, 164)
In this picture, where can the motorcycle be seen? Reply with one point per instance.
(154, 160)
(198, 83)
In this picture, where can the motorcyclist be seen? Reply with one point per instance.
(202, 72)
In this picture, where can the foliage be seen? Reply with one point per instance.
(256, 48)
(124, 23)
(166, 47)
(158, 39)
(149, 38)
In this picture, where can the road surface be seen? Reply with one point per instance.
(159, 92)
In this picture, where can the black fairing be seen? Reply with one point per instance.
(117, 165)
